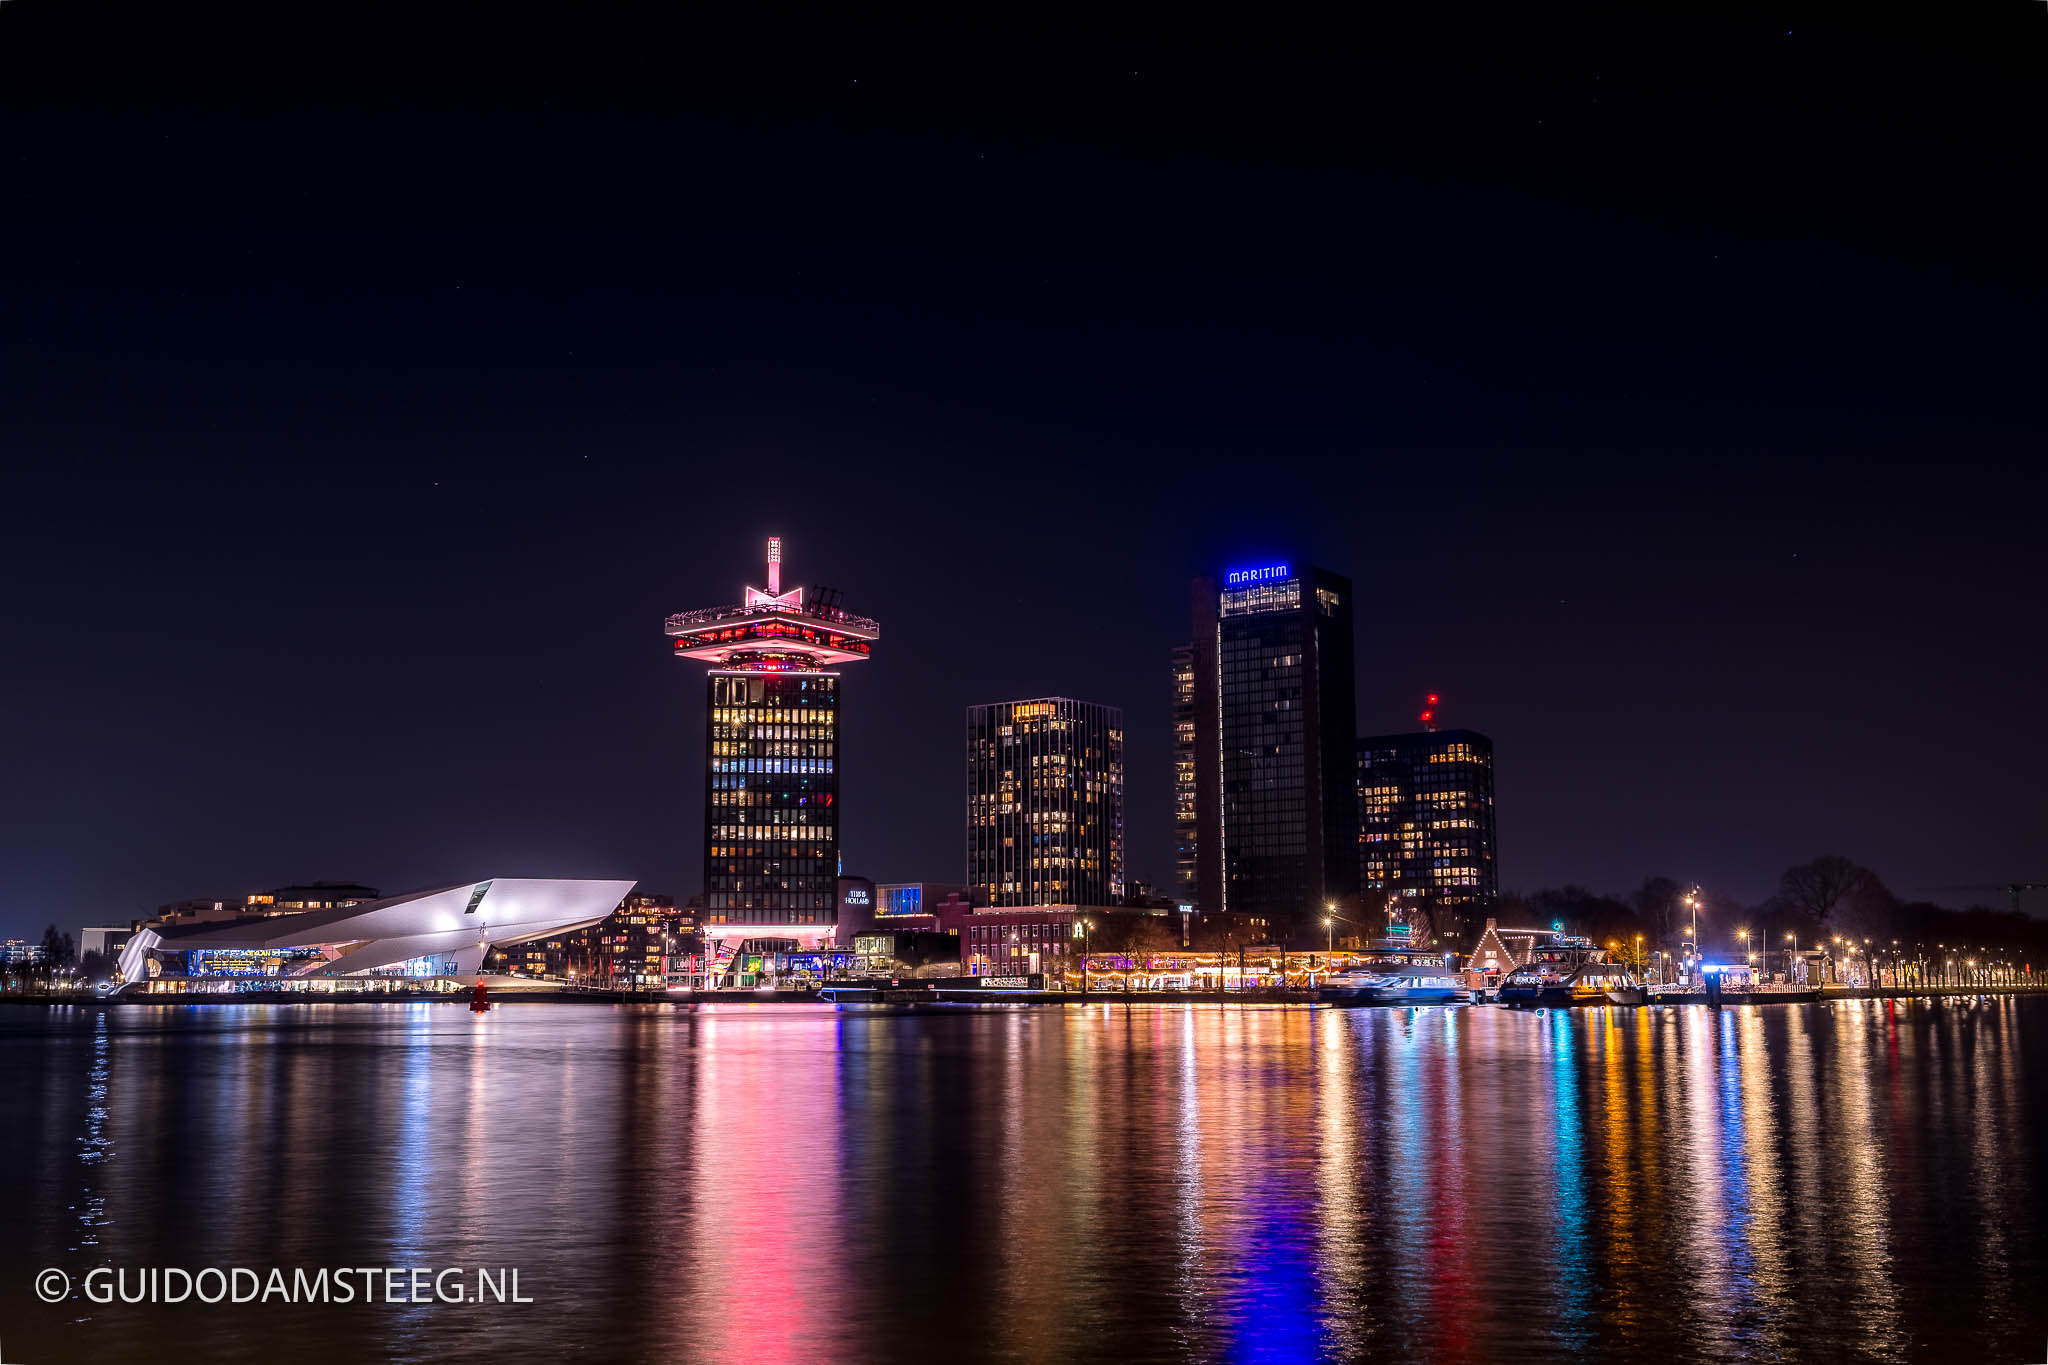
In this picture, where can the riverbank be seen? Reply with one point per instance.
(938, 994)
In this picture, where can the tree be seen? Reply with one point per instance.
(1837, 894)
(1132, 934)
(1660, 903)
(1581, 911)
(58, 950)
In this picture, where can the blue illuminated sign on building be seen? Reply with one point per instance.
(1244, 578)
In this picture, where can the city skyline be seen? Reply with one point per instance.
(726, 683)
(1148, 792)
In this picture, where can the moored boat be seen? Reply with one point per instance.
(1557, 983)
(1413, 983)
(1605, 983)
(1534, 983)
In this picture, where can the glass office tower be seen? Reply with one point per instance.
(771, 785)
(1275, 730)
(1045, 803)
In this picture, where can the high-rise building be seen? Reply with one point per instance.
(1184, 825)
(771, 782)
(1425, 831)
(1045, 803)
(638, 946)
(1276, 796)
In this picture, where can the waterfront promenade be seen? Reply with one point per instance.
(958, 991)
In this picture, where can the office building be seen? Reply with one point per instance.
(643, 942)
(1425, 833)
(283, 900)
(1045, 803)
(1019, 942)
(105, 939)
(1276, 801)
(312, 896)
(1184, 824)
(771, 784)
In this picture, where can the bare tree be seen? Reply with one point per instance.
(1835, 892)
(1660, 903)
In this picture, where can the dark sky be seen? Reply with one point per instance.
(1669, 385)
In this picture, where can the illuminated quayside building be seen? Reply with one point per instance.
(771, 781)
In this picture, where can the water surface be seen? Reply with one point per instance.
(1861, 1180)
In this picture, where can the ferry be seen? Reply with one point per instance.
(1557, 983)
(1413, 983)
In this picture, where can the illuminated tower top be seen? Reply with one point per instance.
(773, 631)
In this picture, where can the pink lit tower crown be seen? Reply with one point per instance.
(771, 784)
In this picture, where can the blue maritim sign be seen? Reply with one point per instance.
(1267, 573)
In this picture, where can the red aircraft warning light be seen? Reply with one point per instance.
(1428, 717)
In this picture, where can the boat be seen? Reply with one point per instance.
(1606, 983)
(1535, 983)
(1413, 983)
(1562, 984)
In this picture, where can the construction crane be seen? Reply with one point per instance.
(2012, 889)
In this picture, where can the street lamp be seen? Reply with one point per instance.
(1329, 936)
(1790, 953)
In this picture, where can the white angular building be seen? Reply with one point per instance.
(440, 934)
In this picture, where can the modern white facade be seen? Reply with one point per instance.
(451, 926)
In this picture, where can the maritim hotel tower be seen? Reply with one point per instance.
(771, 781)
(1274, 737)
(1045, 803)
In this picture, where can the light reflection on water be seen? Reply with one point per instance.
(761, 1183)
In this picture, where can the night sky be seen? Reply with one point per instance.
(1670, 387)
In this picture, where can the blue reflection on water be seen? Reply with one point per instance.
(1572, 1257)
(1278, 1321)
(1732, 1158)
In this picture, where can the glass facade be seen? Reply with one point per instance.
(771, 824)
(1425, 833)
(1185, 826)
(246, 961)
(1045, 803)
(1265, 792)
(1274, 732)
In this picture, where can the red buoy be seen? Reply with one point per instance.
(479, 1002)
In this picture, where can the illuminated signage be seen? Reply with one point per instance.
(857, 896)
(1270, 573)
